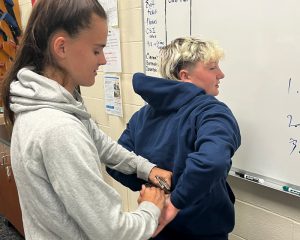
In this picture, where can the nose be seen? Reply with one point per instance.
(220, 74)
(102, 59)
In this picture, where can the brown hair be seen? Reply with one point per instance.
(47, 17)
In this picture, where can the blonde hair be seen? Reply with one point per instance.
(186, 52)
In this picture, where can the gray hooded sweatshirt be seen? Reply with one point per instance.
(56, 154)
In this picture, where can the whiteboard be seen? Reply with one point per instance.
(261, 40)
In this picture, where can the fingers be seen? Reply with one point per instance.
(155, 192)
(139, 200)
(143, 189)
(162, 201)
(152, 194)
(163, 174)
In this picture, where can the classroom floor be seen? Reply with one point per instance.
(7, 231)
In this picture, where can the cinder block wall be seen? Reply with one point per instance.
(261, 213)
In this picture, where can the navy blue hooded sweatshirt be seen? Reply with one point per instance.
(194, 135)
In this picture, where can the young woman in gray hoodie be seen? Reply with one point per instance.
(56, 149)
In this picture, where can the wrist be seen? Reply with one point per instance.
(171, 205)
(152, 174)
(144, 169)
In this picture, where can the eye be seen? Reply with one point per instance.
(213, 68)
(96, 52)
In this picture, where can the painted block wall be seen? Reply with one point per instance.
(261, 213)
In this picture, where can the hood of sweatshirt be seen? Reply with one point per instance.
(32, 91)
(163, 94)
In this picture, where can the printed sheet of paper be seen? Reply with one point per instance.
(112, 52)
(113, 96)
(111, 9)
(154, 34)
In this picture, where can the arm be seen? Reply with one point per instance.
(118, 158)
(218, 137)
(73, 167)
(126, 140)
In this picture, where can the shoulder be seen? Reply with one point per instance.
(206, 104)
(53, 118)
(141, 113)
(46, 123)
(209, 109)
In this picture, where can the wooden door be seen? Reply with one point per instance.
(9, 193)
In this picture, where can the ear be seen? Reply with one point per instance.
(184, 75)
(58, 45)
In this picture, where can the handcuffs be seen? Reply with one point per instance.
(162, 184)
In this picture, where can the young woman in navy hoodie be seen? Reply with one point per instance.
(186, 130)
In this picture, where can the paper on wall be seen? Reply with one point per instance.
(113, 96)
(111, 9)
(112, 52)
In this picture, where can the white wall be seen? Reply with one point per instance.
(25, 8)
(261, 213)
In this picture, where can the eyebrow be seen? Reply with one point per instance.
(100, 45)
(211, 64)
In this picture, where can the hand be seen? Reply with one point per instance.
(152, 194)
(166, 175)
(168, 214)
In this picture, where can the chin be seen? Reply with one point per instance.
(90, 83)
(214, 93)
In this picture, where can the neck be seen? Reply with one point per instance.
(59, 76)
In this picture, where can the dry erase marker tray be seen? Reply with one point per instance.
(265, 181)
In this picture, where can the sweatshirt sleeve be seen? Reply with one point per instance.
(129, 180)
(73, 167)
(118, 158)
(218, 137)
